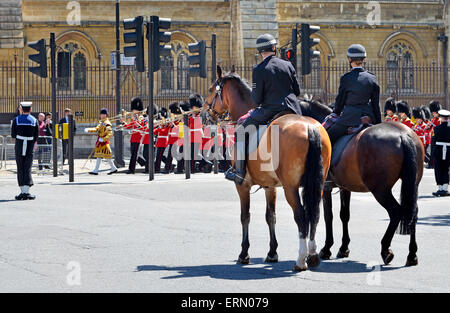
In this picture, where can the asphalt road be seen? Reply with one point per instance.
(124, 234)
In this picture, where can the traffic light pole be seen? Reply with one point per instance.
(54, 113)
(213, 58)
(151, 150)
(118, 137)
(294, 46)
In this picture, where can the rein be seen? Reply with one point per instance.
(225, 116)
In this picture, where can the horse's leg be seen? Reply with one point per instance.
(293, 198)
(387, 200)
(313, 259)
(412, 256)
(271, 197)
(345, 218)
(325, 253)
(244, 195)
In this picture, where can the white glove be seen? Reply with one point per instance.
(86, 130)
(100, 139)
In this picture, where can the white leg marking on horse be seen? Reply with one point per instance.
(312, 247)
(302, 252)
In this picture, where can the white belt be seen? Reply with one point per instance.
(173, 134)
(444, 148)
(24, 145)
(196, 130)
(163, 137)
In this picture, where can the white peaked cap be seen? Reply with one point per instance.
(26, 104)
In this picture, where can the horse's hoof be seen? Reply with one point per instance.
(298, 268)
(325, 254)
(313, 260)
(270, 259)
(412, 260)
(387, 256)
(343, 254)
(245, 260)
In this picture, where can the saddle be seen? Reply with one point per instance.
(342, 142)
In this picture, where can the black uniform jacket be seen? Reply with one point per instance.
(26, 126)
(441, 134)
(275, 84)
(359, 95)
(65, 120)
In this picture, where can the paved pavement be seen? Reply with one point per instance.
(124, 233)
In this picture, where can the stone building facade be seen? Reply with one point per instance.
(396, 33)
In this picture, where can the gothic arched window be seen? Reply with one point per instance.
(79, 72)
(183, 72)
(167, 72)
(400, 66)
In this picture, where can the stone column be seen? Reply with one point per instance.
(236, 43)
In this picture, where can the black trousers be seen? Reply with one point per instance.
(134, 147)
(65, 146)
(195, 156)
(441, 169)
(169, 158)
(337, 131)
(159, 158)
(24, 163)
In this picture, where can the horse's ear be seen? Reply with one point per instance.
(233, 69)
(219, 72)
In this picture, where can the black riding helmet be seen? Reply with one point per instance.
(266, 43)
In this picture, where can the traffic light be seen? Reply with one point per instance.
(197, 59)
(158, 38)
(287, 54)
(136, 37)
(40, 58)
(307, 43)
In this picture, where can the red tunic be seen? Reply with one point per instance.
(144, 133)
(419, 129)
(436, 121)
(207, 140)
(136, 128)
(219, 137)
(391, 118)
(163, 136)
(406, 121)
(173, 133)
(195, 128)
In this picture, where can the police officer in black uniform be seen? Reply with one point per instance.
(275, 89)
(440, 145)
(359, 95)
(25, 130)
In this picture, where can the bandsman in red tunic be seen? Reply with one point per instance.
(195, 130)
(435, 107)
(136, 127)
(162, 141)
(428, 134)
(179, 144)
(420, 126)
(404, 113)
(389, 111)
(174, 109)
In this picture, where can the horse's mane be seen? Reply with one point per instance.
(315, 109)
(244, 88)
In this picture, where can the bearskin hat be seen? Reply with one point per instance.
(104, 111)
(184, 105)
(174, 108)
(418, 113)
(390, 105)
(426, 111)
(403, 107)
(435, 106)
(137, 104)
(195, 101)
(163, 112)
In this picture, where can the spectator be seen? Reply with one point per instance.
(65, 142)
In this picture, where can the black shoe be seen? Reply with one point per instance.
(27, 196)
(22, 196)
(444, 193)
(130, 172)
(165, 171)
(113, 172)
(233, 176)
(93, 173)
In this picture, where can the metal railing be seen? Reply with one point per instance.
(93, 86)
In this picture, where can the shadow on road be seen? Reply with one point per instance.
(1, 201)
(249, 272)
(435, 220)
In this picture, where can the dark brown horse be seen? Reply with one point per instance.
(293, 152)
(373, 161)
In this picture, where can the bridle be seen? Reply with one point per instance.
(212, 111)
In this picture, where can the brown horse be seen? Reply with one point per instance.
(373, 161)
(301, 159)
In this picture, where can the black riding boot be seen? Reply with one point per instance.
(238, 171)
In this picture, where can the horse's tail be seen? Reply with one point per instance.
(312, 179)
(409, 189)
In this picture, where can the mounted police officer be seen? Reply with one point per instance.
(275, 89)
(25, 130)
(359, 95)
(440, 145)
